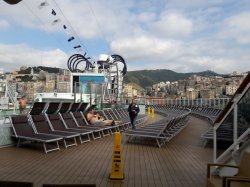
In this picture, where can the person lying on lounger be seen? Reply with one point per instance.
(96, 119)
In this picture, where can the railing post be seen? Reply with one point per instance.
(235, 123)
(215, 144)
(75, 92)
(102, 98)
(6, 89)
(90, 93)
(80, 92)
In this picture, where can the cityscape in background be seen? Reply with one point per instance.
(34, 82)
(27, 83)
(194, 87)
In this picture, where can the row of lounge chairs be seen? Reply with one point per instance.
(170, 110)
(224, 132)
(209, 114)
(50, 123)
(164, 130)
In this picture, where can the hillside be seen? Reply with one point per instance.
(146, 78)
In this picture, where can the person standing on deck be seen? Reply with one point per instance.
(22, 105)
(133, 110)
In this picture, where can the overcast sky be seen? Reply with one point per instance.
(180, 35)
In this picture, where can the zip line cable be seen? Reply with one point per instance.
(74, 32)
(40, 20)
(56, 21)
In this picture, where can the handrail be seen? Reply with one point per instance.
(232, 106)
(232, 147)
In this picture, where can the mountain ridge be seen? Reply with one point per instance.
(145, 78)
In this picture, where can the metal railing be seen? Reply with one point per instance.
(218, 103)
(233, 124)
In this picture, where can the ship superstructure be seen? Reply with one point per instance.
(97, 82)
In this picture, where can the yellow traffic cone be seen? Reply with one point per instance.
(153, 113)
(117, 174)
(149, 111)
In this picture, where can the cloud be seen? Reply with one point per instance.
(194, 3)
(173, 25)
(236, 27)
(147, 52)
(145, 47)
(14, 56)
(98, 19)
(3, 24)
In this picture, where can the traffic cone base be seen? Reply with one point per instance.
(116, 179)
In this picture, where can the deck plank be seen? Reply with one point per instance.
(137, 167)
(128, 167)
(126, 160)
(143, 162)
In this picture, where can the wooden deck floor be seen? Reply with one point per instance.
(179, 163)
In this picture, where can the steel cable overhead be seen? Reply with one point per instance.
(74, 34)
(45, 3)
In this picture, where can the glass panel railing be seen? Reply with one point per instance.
(211, 103)
(6, 113)
(224, 134)
(243, 117)
(223, 102)
(216, 103)
(235, 116)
